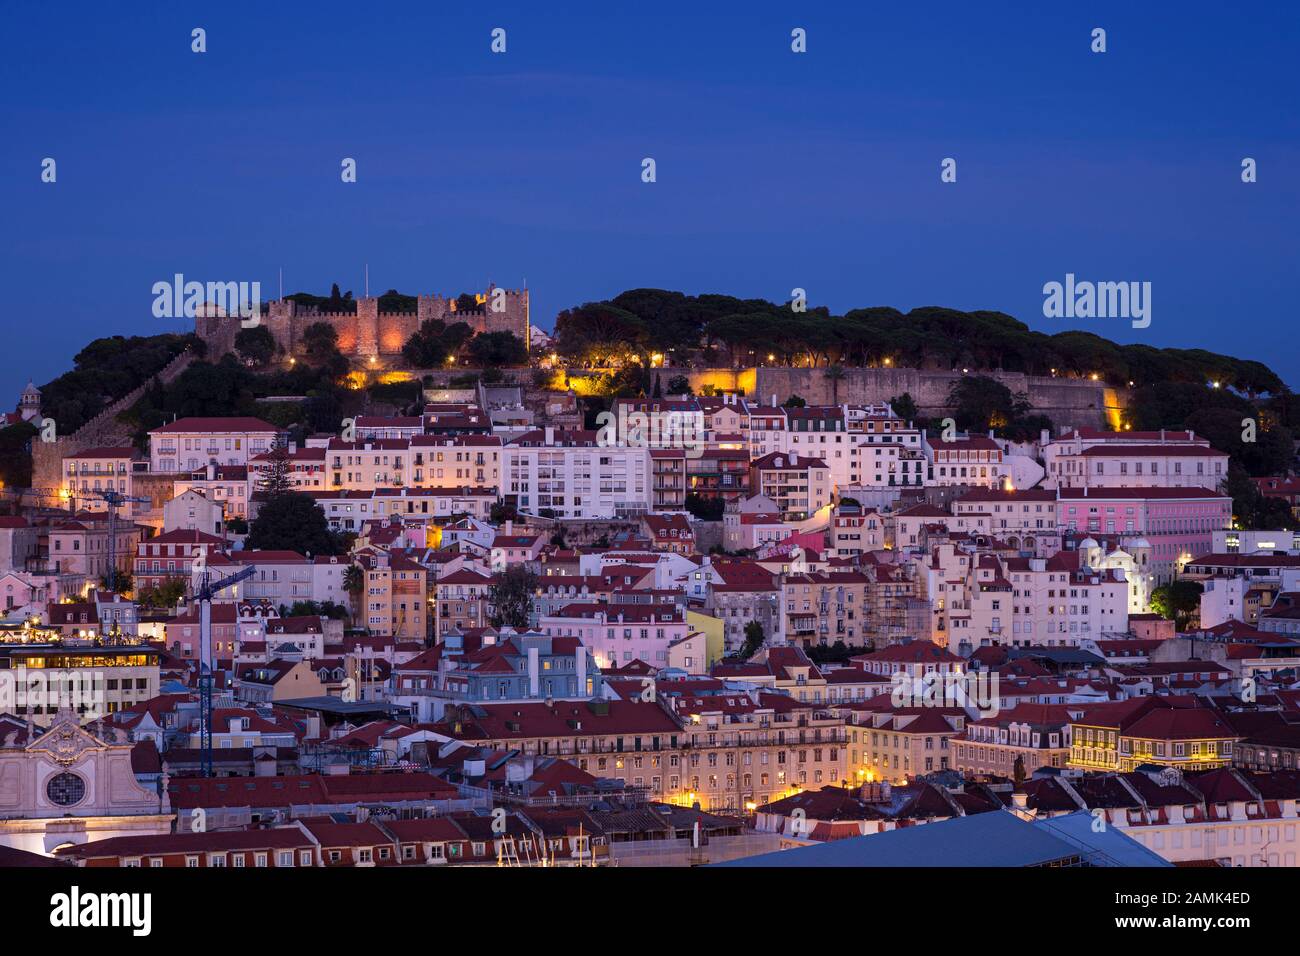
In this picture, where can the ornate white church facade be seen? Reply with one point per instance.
(66, 785)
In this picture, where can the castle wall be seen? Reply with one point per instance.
(1068, 402)
(369, 332)
(103, 429)
(395, 328)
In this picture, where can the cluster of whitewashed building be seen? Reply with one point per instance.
(720, 610)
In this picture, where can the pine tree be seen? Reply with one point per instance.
(276, 481)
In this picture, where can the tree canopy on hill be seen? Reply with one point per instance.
(104, 371)
(434, 342)
(394, 301)
(643, 321)
(495, 349)
(257, 344)
(334, 302)
(980, 403)
(16, 455)
(230, 388)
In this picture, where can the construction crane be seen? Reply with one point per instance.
(205, 587)
(113, 499)
(110, 497)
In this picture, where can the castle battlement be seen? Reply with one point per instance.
(368, 332)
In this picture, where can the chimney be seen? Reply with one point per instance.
(580, 666)
(550, 435)
(510, 526)
(533, 682)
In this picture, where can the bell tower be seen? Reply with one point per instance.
(29, 405)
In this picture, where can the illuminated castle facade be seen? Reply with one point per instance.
(369, 333)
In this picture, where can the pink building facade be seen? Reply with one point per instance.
(619, 634)
(1178, 522)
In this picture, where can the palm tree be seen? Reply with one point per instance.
(354, 582)
(835, 373)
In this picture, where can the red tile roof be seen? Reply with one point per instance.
(239, 423)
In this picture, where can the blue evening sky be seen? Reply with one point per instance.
(775, 170)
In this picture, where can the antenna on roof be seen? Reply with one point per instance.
(367, 280)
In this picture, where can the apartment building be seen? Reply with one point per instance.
(742, 751)
(799, 486)
(1220, 817)
(721, 753)
(569, 475)
(855, 532)
(171, 555)
(513, 667)
(820, 432)
(93, 680)
(1031, 735)
(284, 578)
(719, 473)
(461, 601)
(92, 471)
(1179, 523)
(764, 431)
(965, 460)
(395, 596)
(1167, 731)
(1151, 459)
(617, 634)
(188, 444)
(439, 461)
(80, 546)
(982, 599)
(740, 593)
(1027, 519)
(305, 468)
(424, 461)
(226, 485)
(823, 607)
(667, 479)
(897, 744)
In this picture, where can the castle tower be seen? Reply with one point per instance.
(367, 327)
(279, 321)
(506, 310)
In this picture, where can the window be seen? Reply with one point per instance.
(65, 789)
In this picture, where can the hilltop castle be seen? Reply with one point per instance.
(368, 333)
